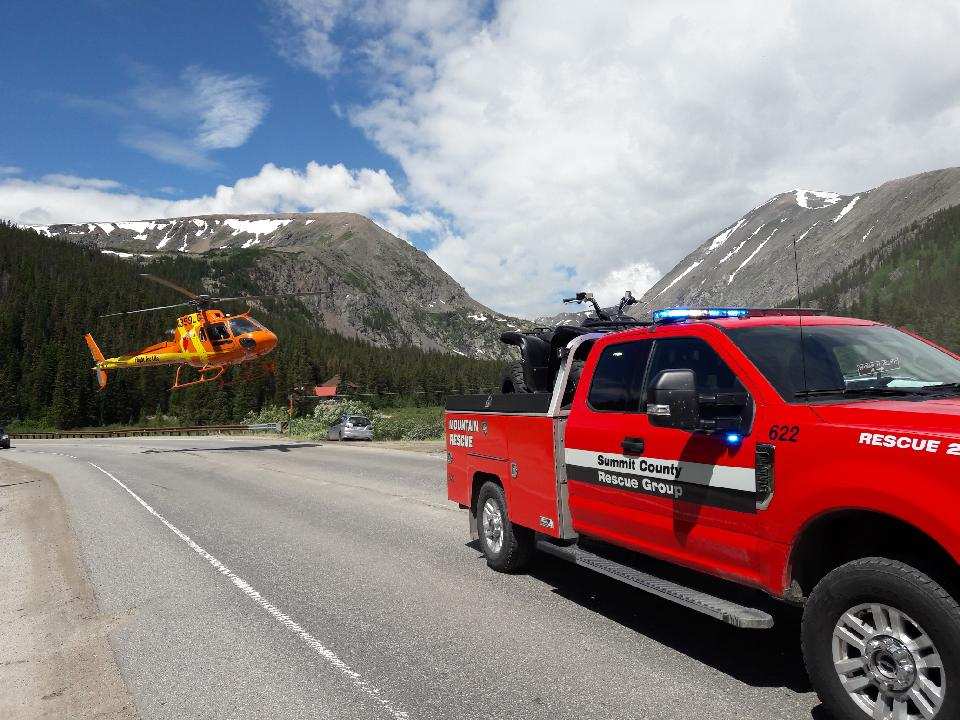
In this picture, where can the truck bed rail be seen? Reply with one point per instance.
(513, 403)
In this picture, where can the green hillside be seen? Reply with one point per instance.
(52, 291)
(910, 281)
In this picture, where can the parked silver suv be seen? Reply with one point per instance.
(351, 427)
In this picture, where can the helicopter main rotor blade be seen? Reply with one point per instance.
(173, 285)
(153, 309)
(271, 295)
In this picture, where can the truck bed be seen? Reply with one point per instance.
(513, 440)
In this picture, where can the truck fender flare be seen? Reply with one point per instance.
(821, 522)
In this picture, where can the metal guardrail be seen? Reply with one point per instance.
(279, 427)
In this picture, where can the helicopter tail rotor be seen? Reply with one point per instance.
(98, 358)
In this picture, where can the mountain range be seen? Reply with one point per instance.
(376, 286)
(751, 261)
(383, 290)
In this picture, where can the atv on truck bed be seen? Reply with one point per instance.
(542, 349)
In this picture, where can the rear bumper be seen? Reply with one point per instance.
(357, 434)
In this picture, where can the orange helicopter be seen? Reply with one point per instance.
(206, 339)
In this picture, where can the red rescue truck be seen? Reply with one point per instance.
(809, 458)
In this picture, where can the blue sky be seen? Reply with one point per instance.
(73, 57)
(532, 149)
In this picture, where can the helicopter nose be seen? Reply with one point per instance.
(266, 342)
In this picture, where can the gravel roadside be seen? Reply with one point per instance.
(55, 657)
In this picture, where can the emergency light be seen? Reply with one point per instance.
(672, 315)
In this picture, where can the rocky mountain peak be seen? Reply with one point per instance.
(751, 261)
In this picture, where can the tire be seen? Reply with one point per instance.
(878, 595)
(512, 380)
(516, 543)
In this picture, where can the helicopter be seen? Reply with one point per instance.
(206, 339)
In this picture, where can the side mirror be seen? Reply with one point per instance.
(673, 401)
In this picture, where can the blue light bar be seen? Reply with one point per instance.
(668, 315)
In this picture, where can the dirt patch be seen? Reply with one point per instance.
(433, 447)
(55, 658)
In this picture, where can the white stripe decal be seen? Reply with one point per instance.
(332, 658)
(718, 476)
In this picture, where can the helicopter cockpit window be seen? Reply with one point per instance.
(218, 333)
(241, 325)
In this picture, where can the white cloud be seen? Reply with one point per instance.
(10, 169)
(74, 181)
(318, 188)
(202, 112)
(167, 147)
(312, 47)
(638, 278)
(183, 121)
(619, 135)
(229, 107)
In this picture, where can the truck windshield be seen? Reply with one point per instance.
(846, 359)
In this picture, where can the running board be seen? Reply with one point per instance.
(716, 607)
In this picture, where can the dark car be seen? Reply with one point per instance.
(4, 439)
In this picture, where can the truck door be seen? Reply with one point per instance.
(687, 497)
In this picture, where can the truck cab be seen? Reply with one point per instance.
(784, 451)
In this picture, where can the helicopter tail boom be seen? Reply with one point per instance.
(98, 357)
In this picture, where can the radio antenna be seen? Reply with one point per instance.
(803, 354)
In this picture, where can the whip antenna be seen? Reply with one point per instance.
(803, 354)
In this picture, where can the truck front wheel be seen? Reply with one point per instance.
(507, 547)
(882, 640)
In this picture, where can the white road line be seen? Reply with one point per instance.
(331, 657)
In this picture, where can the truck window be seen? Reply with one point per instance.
(618, 377)
(682, 353)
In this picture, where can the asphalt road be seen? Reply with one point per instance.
(255, 578)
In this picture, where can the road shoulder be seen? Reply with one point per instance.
(55, 656)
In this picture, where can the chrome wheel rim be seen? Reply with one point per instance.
(888, 664)
(491, 519)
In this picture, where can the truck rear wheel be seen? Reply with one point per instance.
(507, 547)
(882, 640)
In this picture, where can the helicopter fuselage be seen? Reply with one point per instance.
(206, 339)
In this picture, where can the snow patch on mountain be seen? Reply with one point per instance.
(722, 237)
(751, 256)
(807, 231)
(827, 198)
(681, 276)
(847, 208)
(255, 227)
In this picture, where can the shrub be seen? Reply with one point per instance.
(407, 423)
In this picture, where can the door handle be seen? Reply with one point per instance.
(632, 445)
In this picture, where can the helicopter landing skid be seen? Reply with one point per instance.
(252, 372)
(208, 374)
